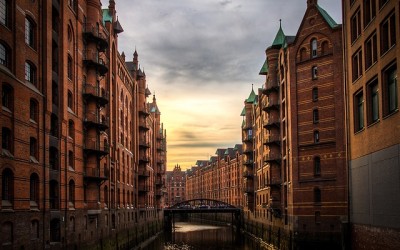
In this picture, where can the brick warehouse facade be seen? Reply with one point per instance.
(176, 186)
(298, 137)
(372, 33)
(219, 178)
(83, 152)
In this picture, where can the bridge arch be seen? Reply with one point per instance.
(201, 204)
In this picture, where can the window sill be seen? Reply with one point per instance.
(6, 109)
(7, 153)
(391, 113)
(32, 121)
(387, 51)
(359, 131)
(33, 159)
(373, 123)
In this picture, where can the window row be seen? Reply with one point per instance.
(371, 107)
(387, 29)
(314, 49)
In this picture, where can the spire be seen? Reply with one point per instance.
(280, 36)
(252, 96)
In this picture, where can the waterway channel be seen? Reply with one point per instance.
(200, 236)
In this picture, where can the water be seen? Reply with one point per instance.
(196, 236)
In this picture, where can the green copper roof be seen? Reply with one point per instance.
(327, 17)
(243, 112)
(264, 69)
(279, 38)
(106, 16)
(252, 97)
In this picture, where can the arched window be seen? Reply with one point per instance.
(316, 136)
(33, 110)
(30, 32)
(55, 230)
(314, 72)
(7, 188)
(72, 224)
(70, 68)
(71, 159)
(5, 55)
(5, 14)
(30, 72)
(317, 165)
(34, 190)
(315, 94)
(70, 100)
(315, 116)
(7, 97)
(71, 129)
(71, 193)
(53, 158)
(54, 125)
(54, 195)
(314, 47)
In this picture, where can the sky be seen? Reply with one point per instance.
(201, 58)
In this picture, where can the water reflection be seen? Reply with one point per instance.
(194, 236)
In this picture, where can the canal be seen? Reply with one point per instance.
(200, 236)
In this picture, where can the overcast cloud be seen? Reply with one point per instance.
(200, 58)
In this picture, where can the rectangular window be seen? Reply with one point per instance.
(314, 72)
(315, 116)
(369, 11)
(29, 32)
(371, 53)
(390, 89)
(388, 33)
(69, 68)
(33, 147)
(355, 25)
(356, 65)
(373, 102)
(315, 94)
(4, 12)
(358, 111)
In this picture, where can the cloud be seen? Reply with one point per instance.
(201, 58)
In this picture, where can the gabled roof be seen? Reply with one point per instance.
(117, 27)
(243, 112)
(327, 17)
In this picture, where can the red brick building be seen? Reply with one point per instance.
(300, 186)
(219, 178)
(73, 112)
(175, 186)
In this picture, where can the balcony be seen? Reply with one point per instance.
(94, 146)
(248, 190)
(159, 193)
(273, 157)
(247, 174)
(248, 138)
(271, 104)
(92, 34)
(248, 162)
(144, 112)
(270, 86)
(98, 94)
(273, 139)
(144, 144)
(93, 119)
(94, 174)
(143, 173)
(160, 182)
(274, 183)
(93, 207)
(272, 122)
(91, 59)
(143, 125)
(143, 188)
(248, 151)
(144, 159)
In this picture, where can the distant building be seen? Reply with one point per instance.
(176, 186)
(219, 178)
(372, 58)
